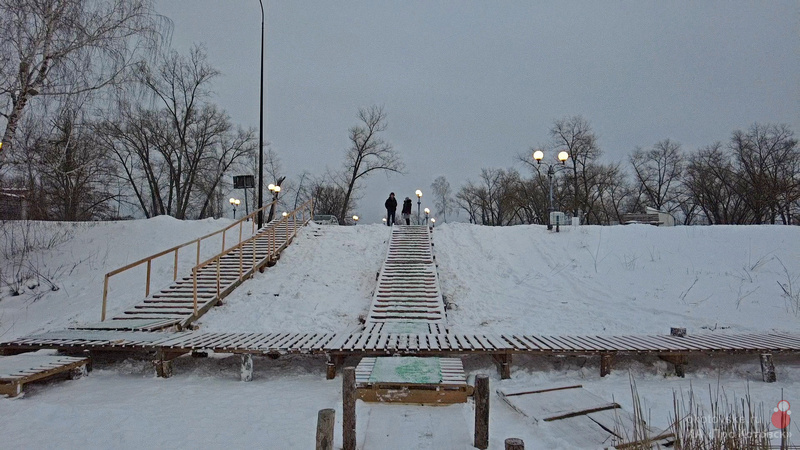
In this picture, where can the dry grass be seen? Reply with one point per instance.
(730, 425)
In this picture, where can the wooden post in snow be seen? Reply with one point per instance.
(767, 368)
(515, 444)
(325, 420)
(482, 412)
(247, 367)
(680, 361)
(349, 408)
(606, 361)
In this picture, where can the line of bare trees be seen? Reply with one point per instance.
(102, 119)
(754, 178)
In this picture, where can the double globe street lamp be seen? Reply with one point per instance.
(234, 203)
(563, 156)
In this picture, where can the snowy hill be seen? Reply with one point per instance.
(588, 280)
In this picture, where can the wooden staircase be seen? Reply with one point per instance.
(186, 299)
(408, 293)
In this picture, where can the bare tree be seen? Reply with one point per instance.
(368, 153)
(496, 201)
(575, 136)
(610, 195)
(715, 186)
(769, 160)
(175, 157)
(64, 47)
(74, 173)
(658, 173)
(328, 197)
(443, 196)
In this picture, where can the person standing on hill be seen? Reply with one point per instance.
(407, 210)
(391, 207)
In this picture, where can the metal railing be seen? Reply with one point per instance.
(288, 223)
(197, 242)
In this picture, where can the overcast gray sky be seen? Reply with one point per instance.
(470, 84)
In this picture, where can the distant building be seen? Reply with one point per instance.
(651, 216)
(13, 205)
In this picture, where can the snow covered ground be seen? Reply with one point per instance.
(586, 280)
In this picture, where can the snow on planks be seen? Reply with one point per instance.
(17, 370)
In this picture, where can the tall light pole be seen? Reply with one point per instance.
(427, 213)
(419, 202)
(563, 156)
(261, 128)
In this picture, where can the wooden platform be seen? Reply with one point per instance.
(337, 346)
(581, 418)
(17, 370)
(427, 381)
(384, 344)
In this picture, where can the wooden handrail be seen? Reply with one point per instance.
(175, 249)
(272, 249)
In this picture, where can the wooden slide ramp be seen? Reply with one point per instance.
(173, 306)
(581, 418)
(403, 427)
(17, 370)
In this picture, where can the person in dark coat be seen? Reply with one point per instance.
(391, 207)
(407, 210)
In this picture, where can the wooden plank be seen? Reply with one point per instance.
(516, 344)
(584, 344)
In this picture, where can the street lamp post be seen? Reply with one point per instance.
(427, 213)
(538, 155)
(419, 202)
(275, 189)
(355, 220)
(433, 222)
(234, 203)
(261, 128)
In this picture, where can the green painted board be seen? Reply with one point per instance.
(405, 327)
(406, 369)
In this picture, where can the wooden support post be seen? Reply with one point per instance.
(163, 365)
(247, 367)
(606, 362)
(482, 412)
(349, 408)
(680, 366)
(679, 361)
(515, 444)
(78, 372)
(504, 363)
(333, 363)
(325, 420)
(767, 368)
